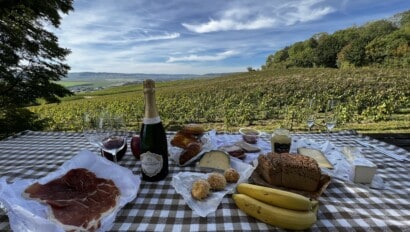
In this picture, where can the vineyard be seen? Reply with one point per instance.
(369, 100)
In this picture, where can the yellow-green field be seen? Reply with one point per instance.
(74, 83)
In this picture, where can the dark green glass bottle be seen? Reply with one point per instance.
(153, 145)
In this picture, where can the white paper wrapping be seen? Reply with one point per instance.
(342, 168)
(208, 144)
(262, 143)
(182, 182)
(30, 215)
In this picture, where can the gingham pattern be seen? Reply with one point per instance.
(343, 206)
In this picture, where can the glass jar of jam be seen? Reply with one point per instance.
(281, 140)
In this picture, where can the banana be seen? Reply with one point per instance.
(275, 216)
(276, 197)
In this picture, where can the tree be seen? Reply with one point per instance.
(30, 58)
(376, 29)
(346, 36)
(301, 53)
(326, 51)
(353, 53)
(381, 43)
(404, 18)
(393, 47)
(280, 57)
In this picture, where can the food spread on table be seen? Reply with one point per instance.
(280, 188)
(283, 189)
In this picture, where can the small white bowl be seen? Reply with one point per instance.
(250, 135)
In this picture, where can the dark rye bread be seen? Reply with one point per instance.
(290, 170)
(269, 169)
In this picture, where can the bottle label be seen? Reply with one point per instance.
(281, 147)
(152, 120)
(151, 163)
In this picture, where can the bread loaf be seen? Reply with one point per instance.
(289, 170)
(191, 151)
(182, 140)
(193, 129)
(188, 138)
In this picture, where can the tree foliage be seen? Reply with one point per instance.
(31, 59)
(383, 43)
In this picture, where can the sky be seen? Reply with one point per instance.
(201, 36)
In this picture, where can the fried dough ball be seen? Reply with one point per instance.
(217, 181)
(200, 189)
(231, 175)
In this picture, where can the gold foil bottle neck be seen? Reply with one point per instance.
(151, 110)
(149, 84)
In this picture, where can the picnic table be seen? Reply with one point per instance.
(344, 205)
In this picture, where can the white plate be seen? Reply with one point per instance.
(30, 215)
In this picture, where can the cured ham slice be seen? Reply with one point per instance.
(78, 200)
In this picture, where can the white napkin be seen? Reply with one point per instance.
(341, 167)
(182, 182)
(30, 215)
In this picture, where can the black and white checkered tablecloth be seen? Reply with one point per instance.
(157, 207)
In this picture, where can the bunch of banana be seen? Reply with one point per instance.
(279, 208)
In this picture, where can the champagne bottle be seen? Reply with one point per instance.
(153, 144)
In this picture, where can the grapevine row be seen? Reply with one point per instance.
(284, 96)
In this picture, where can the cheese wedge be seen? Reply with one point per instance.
(215, 159)
(317, 155)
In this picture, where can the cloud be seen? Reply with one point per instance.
(294, 12)
(270, 15)
(218, 56)
(228, 24)
(164, 36)
(108, 23)
(173, 36)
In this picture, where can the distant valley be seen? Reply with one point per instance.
(92, 81)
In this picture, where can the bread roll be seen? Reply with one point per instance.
(182, 140)
(191, 151)
(193, 129)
